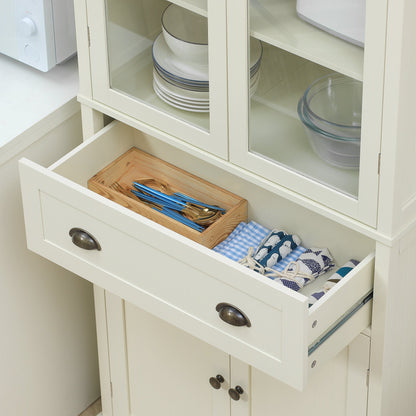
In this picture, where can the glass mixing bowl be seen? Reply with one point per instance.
(337, 150)
(333, 104)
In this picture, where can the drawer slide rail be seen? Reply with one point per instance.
(339, 323)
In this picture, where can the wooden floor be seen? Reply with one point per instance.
(93, 410)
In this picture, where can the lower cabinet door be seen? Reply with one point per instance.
(157, 369)
(169, 371)
(339, 389)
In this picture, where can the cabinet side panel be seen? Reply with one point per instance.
(393, 352)
(398, 170)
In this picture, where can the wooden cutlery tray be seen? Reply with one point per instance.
(136, 165)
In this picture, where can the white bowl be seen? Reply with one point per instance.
(186, 34)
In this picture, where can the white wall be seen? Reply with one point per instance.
(48, 357)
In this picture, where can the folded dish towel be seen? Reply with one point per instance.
(310, 264)
(244, 236)
(333, 280)
(252, 235)
(275, 247)
(268, 243)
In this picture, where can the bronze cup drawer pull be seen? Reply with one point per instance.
(83, 239)
(232, 315)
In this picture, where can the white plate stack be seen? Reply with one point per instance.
(180, 60)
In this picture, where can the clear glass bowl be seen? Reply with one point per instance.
(340, 151)
(333, 104)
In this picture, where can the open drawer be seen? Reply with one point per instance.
(182, 281)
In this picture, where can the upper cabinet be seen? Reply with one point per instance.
(327, 157)
(232, 78)
(164, 63)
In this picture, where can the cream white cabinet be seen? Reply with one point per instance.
(367, 214)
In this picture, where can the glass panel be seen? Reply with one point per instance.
(315, 134)
(158, 55)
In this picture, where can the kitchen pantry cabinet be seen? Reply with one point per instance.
(255, 148)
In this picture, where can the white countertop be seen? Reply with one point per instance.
(29, 97)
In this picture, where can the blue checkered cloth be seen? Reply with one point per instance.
(246, 235)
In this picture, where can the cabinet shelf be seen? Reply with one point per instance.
(276, 133)
(276, 22)
(196, 6)
(279, 137)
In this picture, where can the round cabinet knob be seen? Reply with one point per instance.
(232, 315)
(236, 392)
(216, 381)
(83, 239)
(27, 27)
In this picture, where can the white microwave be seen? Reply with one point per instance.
(39, 33)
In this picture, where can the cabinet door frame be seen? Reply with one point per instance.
(115, 360)
(215, 139)
(363, 208)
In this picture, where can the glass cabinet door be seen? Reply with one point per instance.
(306, 114)
(164, 64)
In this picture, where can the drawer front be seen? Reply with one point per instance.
(169, 275)
(162, 277)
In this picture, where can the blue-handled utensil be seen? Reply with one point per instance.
(157, 201)
(158, 194)
(197, 213)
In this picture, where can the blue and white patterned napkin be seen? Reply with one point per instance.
(244, 236)
(236, 246)
(333, 280)
(310, 264)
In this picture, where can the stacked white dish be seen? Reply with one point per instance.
(180, 60)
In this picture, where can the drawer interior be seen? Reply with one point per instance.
(264, 207)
